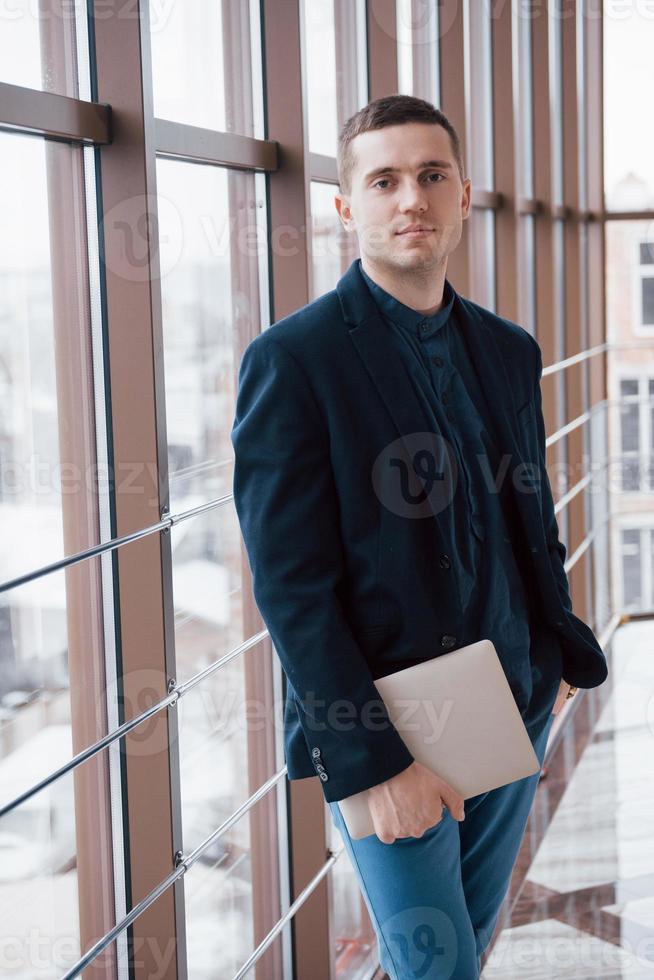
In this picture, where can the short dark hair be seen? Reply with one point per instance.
(391, 110)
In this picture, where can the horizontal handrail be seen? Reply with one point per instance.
(575, 359)
(169, 520)
(171, 698)
(297, 904)
(163, 886)
(99, 549)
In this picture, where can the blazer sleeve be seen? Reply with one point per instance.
(288, 511)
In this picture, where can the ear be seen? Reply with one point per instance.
(466, 198)
(342, 204)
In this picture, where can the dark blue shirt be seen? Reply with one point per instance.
(478, 523)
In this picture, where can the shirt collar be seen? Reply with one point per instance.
(404, 316)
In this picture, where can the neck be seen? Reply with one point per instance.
(419, 289)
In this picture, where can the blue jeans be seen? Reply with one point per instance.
(434, 900)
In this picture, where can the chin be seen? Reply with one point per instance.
(417, 260)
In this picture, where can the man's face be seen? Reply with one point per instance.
(405, 176)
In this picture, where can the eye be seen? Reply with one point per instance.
(436, 175)
(384, 180)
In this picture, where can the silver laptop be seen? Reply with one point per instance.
(457, 715)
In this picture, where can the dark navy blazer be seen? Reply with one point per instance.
(350, 588)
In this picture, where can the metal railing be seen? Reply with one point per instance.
(183, 863)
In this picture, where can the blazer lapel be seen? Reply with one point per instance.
(492, 374)
(369, 335)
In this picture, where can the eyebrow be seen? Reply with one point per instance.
(442, 164)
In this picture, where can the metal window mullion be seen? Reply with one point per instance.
(290, 279)
(60, 117)
(193, 144)
(505, 136)
(454, 88)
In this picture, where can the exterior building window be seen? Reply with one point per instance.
(636, 560)
(646, 273)
(637, 434)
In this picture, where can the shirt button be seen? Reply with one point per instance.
(447, 640)
(444, 561)
(423, 326)
(438, 361)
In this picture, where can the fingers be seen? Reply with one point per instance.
(389, 834)
(454, 801)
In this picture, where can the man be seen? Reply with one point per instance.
(391, 487)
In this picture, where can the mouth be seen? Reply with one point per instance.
(415, 233)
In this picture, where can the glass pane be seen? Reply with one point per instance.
(212, 237)
(57, 666)
(206, 65)
(628, 146)
(646, 251)
(226, 723)
(332, 248)
(207, 589)
(418, 50)
(47, 449)
(481, 103)
(631, 569)
(629, 427)
(482, 230)
(647, 298)
(631, 474)
(38, 46)
(56, 698)
(351, 57)
(320, 61)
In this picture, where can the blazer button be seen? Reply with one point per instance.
(315, 753)
(447, 640)
(324, 776)
(444, 561)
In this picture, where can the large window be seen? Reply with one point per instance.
(155, 221)
(58, 694)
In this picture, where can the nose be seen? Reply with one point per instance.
(413, 197)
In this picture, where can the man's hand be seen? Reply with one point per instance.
(409, 803)
(564, 687)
